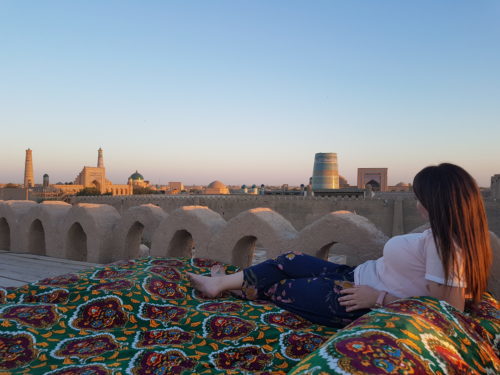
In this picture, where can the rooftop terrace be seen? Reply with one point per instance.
(17, 269)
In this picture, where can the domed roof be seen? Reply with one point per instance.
(136, 176)
(402, 184)
(216, 185)
(243, 186)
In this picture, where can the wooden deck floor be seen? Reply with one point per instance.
(19, 269)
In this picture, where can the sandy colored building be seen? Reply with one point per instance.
(175, 187)
(137, 180)
(374, 178)
(95, 177)
(400, 187)
(216, 188)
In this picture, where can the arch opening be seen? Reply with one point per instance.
(259, 253)
(97, 185)
(335, 252)
(135, 245)
(4, 234)
(36, 238)
(181, 244)
(243, 251)
(76, 248)
(325, 251)
(375, 185)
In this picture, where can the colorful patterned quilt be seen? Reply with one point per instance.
(413, 336)
(141, 317)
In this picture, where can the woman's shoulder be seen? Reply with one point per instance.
(410, 238)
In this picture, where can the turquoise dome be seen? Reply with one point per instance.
(136, 176)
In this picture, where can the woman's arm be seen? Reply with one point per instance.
(365, 297)
(455, 296)
(362, 297)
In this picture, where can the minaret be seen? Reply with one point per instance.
(100, 159)
(45, 181)
(29, 181)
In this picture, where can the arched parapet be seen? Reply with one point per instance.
(40, 227)
(359, 236)
(185, 228)
(10, 213)
(88, 232)
(235, 243)
(138, 224)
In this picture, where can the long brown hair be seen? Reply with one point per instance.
(458, 222)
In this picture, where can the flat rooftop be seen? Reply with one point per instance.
(18, 269)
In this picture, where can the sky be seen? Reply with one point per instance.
(247, 92)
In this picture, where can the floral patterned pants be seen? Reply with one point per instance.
(303, 284)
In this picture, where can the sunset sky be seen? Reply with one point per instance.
(248, 91)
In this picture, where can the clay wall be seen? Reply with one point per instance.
(99, 233)
(393, 213)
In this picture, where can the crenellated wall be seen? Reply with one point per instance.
(391, 213)
(99, 233)
(298, 210)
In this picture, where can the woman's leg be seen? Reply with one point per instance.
(315, 299)
(258, 279)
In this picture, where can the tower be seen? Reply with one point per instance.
(45, 181)
(325, 171)
(495, 186)
(29, 181)
(100, 159)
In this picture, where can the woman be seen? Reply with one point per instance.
(449, 261)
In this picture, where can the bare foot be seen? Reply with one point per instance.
(208, 286)
(218, 270)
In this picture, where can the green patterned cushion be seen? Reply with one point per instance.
(413, 336)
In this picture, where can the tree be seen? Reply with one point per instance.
(143, 190)
(88, 191)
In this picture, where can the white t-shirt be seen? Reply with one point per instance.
(408, 262)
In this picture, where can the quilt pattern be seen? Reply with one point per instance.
(413, 336)
(142, 317)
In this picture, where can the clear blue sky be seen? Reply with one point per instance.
(248, 91)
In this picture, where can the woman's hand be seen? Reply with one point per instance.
(358, 297)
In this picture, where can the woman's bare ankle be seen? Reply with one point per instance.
(208, 286)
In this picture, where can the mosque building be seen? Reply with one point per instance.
(95, 177)
(137, 179)
(216, 188)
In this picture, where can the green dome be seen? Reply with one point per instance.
(136, 176)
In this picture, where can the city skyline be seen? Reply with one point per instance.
(100, 162)
(248, 92)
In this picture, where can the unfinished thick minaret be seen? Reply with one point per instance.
(325, 171)
(100, 159)
(29, 180)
